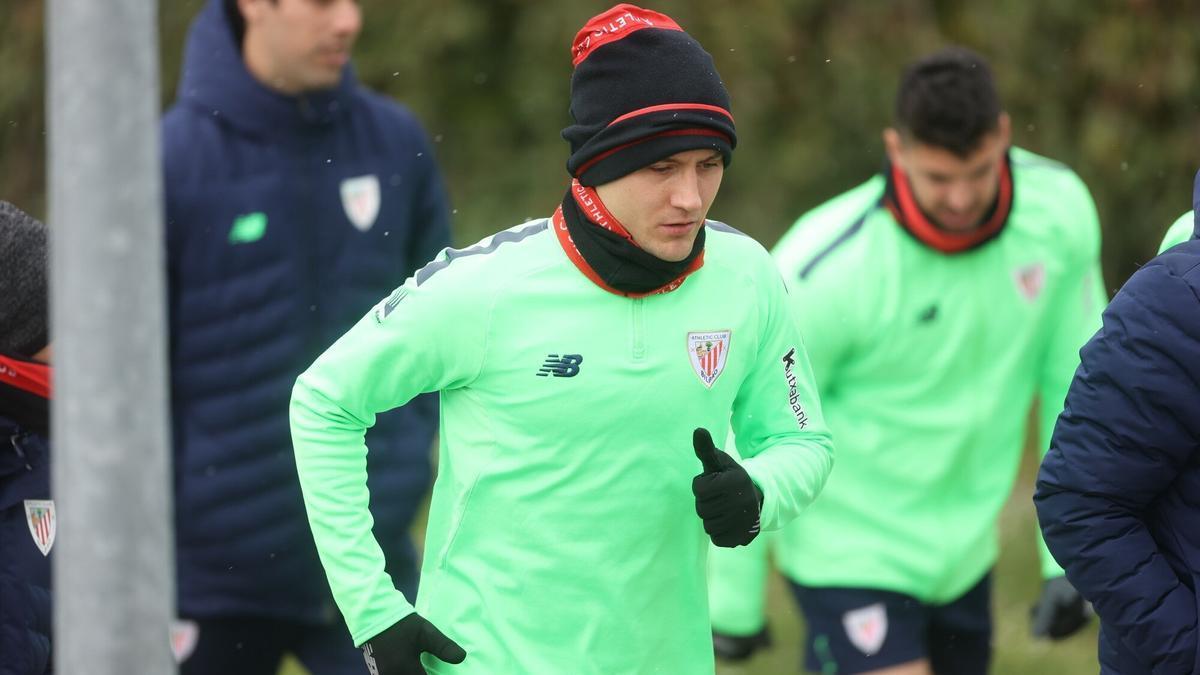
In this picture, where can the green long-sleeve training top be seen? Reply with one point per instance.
(562, 531)
(927, 365)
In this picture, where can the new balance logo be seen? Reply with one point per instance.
(566, 365)
(369, 657)
(383, 309)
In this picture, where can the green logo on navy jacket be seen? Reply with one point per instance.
(927, 365)
(562, 534)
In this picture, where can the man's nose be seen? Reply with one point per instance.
(685, 193)
(960, 197)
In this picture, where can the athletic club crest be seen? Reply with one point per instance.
(1030, 280)
(360, 200)
(866, 627)
(39, 515)
(708, 352)
(184, 636)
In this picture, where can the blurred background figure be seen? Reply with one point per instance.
(1118, 494)
(937, 300)
(27, 515)
(1180, 231)
(295, 198)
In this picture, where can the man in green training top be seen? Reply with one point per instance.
(1180, 231)
(583, 361)
(937, 300)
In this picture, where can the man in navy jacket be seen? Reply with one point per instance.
(27, 515)
(1118, 495)
(295, 200)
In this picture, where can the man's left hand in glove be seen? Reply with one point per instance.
(1060, 612)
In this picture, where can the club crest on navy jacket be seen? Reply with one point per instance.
(28, 522)
(287, 218)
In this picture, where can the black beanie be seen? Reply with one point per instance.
(642, 90)
(23, 292)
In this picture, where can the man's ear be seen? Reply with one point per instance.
(251, 10)
(1004, 128)
(892, 144)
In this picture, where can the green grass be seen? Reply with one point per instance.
(1017, 582)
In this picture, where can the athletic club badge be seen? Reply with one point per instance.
(1030, 280)
(866, 627)
(360, 200)
(708, 352)
(39, 514)
(184, 636)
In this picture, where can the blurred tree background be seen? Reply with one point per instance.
(1107, 86)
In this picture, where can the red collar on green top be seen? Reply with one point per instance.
(903, 205)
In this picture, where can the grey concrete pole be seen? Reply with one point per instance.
(113, 562)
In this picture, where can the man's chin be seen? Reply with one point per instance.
(324, 81)
(958, 225)
(673, 255)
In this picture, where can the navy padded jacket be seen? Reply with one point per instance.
(288, 218)
(25, 609)
(1118, 494)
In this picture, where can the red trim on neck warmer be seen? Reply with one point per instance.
(29, 376)
(598, 214)
(910, 216)
(589, 203)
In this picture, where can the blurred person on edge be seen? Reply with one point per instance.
(1183, 229)
(583, 360)
(1118, 494)
(27, 517)
(295, 197)
(937, 301)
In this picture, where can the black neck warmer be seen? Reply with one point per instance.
(619, 262)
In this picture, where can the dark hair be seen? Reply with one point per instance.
(948, 99)
(237, 22)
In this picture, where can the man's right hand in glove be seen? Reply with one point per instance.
(397, 650)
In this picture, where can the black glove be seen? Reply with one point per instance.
(740, 647)
(726, 499)
(1060, 612)
(397, 650)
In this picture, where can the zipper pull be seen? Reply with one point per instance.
(20, 453)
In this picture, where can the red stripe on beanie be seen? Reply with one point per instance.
(673, 106)
(677, 132)
(616, 24)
